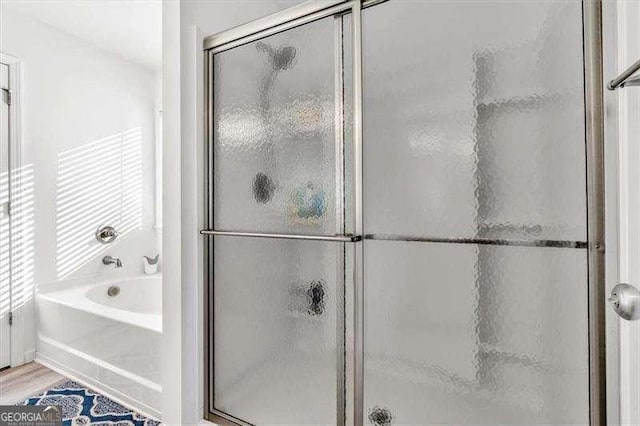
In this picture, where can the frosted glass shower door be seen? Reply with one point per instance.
(277, 154)
(280, 215)
(475, 214)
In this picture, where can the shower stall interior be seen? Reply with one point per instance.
(404, 215)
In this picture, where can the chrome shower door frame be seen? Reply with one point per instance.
(302, 14)
(352, 388)
(594, 135)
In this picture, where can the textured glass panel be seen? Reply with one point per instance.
(277, 134)
(467, 334)
(474, 119)
(275, 340)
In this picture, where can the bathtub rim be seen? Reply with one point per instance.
(70, 293)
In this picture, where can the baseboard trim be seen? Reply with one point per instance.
(102, 388)
(29, 356)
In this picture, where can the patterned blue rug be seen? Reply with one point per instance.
(82, 406)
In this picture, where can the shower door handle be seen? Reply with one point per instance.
(625, 300)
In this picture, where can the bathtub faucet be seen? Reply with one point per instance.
(108, 260)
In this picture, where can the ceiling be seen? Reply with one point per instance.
(130, 28)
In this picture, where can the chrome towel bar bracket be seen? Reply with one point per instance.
(623, 79)
(337, 238)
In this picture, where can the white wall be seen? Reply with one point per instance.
(88, 136)
(628, 128)
(171, 209)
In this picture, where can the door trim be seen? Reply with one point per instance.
(16, 184)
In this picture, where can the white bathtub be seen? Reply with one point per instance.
(139, 301)
(111, 343)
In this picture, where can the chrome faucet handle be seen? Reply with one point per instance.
(106, 234)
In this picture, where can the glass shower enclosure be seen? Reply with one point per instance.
(404, 215)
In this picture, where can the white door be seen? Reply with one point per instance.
(5, 279)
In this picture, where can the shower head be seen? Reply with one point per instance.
(282, 57)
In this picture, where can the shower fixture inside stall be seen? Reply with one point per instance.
(397, 192)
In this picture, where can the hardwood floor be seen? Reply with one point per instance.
(17, 384)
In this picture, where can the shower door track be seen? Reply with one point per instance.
(352, 410)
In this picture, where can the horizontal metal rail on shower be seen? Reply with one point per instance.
(479, 241)
(623, 79)
(337, 238)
